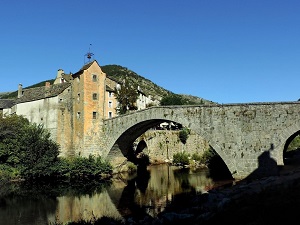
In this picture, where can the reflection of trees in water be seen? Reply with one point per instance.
(37, 203)
(22, 206)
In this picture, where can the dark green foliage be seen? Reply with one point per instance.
(38, 153)
(126, 95)
(86, 168)
(12, 129)
(26, 147)
(184, 134)
(27, 151)
(172, 99)
(207, 155)
(181, 158)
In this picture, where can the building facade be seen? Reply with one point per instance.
(72, 108)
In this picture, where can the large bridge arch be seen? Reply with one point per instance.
(239, 133)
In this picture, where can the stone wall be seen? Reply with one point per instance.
(163, 144)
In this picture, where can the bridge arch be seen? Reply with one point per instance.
(285, 138)
(134, 129)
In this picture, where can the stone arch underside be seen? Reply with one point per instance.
(285, 138)
(125, 141)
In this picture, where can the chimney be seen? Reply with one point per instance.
(59, 74)
(20, 91)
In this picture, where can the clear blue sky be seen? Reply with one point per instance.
(226, 51)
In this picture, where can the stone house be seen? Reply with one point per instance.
(72, 108)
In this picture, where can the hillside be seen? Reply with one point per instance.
(119, 73)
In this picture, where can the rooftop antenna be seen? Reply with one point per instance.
(88, 56)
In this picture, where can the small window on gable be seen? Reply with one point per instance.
(94, 78)
(78, 97)
(95, 96)
(78, 115)
(110, 94)
(109, 104)
(94, 115)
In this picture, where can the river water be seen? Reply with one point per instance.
(136, 195)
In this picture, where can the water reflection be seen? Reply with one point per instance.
(147, 193)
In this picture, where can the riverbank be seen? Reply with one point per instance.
(271, 200)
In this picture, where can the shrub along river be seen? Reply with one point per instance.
(144, 193)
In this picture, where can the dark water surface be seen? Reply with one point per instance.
(145, 193)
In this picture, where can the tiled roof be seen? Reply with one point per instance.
(6, 103)
(67, 77)
(85, 67)
(33, 94)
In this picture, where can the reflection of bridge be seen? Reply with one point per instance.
(239, 133)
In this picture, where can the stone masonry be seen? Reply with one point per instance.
(250, 138)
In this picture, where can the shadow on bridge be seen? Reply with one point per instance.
(267, 166)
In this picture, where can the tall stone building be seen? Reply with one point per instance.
(72, 108)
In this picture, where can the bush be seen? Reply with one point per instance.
(184, 134)
(8, 173)
(181, 158)
(88, 168)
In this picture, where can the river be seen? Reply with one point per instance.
(136, 195)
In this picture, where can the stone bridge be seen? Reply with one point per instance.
(250, 138)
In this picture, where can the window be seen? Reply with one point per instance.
(109, 104)
(95, 96)
(94, 115)
(78, 97)
(78, 115)
(109, 114)
(110, 94)
(94, 78)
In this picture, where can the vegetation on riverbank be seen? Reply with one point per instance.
(186, 159)
(27, 152)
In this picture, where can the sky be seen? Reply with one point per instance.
(225, 51)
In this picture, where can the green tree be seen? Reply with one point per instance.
(26, 147)
(11, 131)
(126, 96)
(172, 99)
(38, 153)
